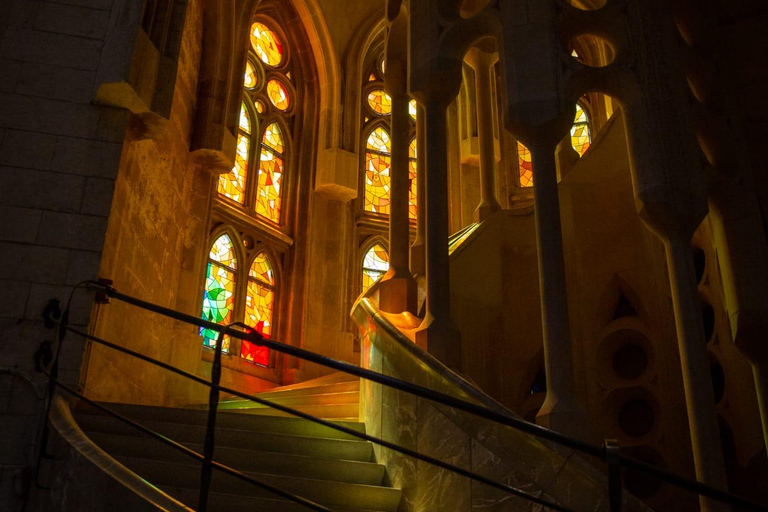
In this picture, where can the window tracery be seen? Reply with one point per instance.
(375, 265)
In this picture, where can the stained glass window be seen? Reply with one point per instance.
(266, 44)
(232, 184)
(260, 107)
(412, 210)
(380, 102)
(377, 162)
(268, 198)
(375, 265)
(219, 294)
(259, 306)
(278, 95)
(372, 77)
(412, 109)
(580, 136)
(251, 79)
(525, 165)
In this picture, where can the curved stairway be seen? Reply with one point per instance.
(316, 462)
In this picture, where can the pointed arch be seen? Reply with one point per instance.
(260, 299)
(219, 292)
(374, 262)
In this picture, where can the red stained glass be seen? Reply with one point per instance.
(259, 307)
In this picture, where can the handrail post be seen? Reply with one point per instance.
(210, 429)
(614, 474)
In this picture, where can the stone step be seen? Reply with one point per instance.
(254, 423)
(344, 398)
(329, 448)
(336, 387)
(341, 412)
(242, 459)
(329, 493)
(221, 502)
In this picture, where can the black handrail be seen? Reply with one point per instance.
(254, 336)
(340, 428)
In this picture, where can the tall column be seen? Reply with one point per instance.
(482, 62)
(697, 379)
(437, 331)
(418, 264)
(560, 410)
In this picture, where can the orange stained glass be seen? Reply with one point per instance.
(268, 195)
(377, 173)
(266, 44)
(259, 306)
(278, 95)
(372, 77)
(412, 109)
(380, 102)
(219, 293)
(260, 107)
(580, 136)
(375, 265)
(412, 192)
(232, 184)
(245, 119)
(251, 79)
(525, 165)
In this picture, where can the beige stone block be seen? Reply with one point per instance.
(97, 199)
(46, 47)
(48, 116)
(71, 20)
(27, 149)
(13, 299)
(33, 263)
(72, 231)
(10, 71)
(83, 265)
(86, 157)
(337, 173)
(20, 224)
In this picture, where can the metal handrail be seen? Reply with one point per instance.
(105, 291)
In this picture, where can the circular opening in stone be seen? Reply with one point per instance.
(630, 361)
(699, 263)
(591, 51)
(636, 418)
(587, 5)
(718, 378)
(708, 318)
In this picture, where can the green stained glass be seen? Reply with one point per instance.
(219, 293)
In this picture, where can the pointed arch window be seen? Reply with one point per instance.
(377, 109)
(266, 116)
(219, 294)
(375, 265)
(259, 307)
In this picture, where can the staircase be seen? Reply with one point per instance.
(313, 461)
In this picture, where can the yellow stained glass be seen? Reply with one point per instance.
(372, 78)
(580, 136)
(377, 173)
(219, 292)
(266, 44)
(412, 191)
(245, 119)
(412, 109)
(259, 306)
(525, 165)
(380, 102)
(375, 265)
(232, 184)
(268, 195)
(260, 107)
(251, 79)
(278, 95)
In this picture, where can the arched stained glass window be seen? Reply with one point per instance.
(251, 79)
(266, 44)
(580, 134)
(525, 165)
(377, 162)
(259, 306)
(219, 294)
(271, 163)
(375, 265)
(412, 191)
(232, 184)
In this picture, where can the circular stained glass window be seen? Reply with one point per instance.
(380, 102)
(260, 106)
(278, 95)
(266, 44)
(251, 79)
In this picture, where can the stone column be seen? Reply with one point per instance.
(482, 62)
(417, 248)
(705, 435)
(560, 410)
(397, 291)
(437, 331)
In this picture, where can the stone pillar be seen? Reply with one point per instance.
(482, 62)
(437, 331)
(560, 410)
(418, 254)
(705, 435)
(397, 290)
